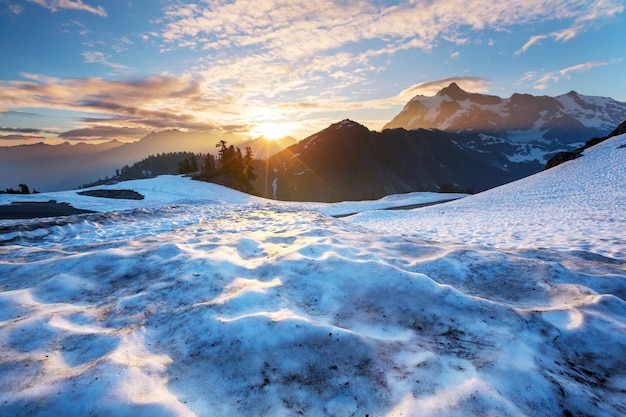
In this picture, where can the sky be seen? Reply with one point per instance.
(98, 70)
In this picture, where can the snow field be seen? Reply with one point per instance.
(506, 303)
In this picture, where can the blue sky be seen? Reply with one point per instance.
(94, 70)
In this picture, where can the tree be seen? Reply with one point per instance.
(193, 163)
(231, 168)
(184, 167)
(208, 167)
(248, 165)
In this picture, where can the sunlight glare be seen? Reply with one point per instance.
(270, 130)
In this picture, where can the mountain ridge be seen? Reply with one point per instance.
(563, 119)
(347, 161)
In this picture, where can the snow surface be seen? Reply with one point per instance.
(201, 301)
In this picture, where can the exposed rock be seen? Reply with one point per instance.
(561, 157)
(117, 194)
(38, 209)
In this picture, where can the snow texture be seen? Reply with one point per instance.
(201, 301)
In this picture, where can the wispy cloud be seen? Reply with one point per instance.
(97, 57)
(21, 138)
(541, 81)
(580, 16)
(13, 8)
(471, 84)
(100, 132)
(55, 5)
(19, 129)
(563, 35)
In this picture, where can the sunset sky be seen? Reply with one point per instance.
(94, 70)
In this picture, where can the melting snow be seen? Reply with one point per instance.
(201, 301)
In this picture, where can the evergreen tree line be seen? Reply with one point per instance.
(149, 167)
(231, 167)
(24, 189)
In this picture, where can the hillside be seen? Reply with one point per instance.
(346, 161)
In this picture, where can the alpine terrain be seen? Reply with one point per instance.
(522, 127)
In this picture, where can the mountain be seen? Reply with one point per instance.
(532, 126)
(263, 148)
(47, 167)
(347, 161)
(61, 167)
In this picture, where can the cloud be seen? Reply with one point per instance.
(24, 138)
(96, 57)
(541, 81)
(580, 16)
(19, 129)
(471, 84)
(55, 5)
(13, 8)
(268, 48)
(338, 105)
(144, 103)
(563, 35)
(104, 132)
(533, 40)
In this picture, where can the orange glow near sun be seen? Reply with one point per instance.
(270, 130)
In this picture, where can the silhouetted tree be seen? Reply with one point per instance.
(184, 167)
(231, 168)
(24, 189)
(248, 165)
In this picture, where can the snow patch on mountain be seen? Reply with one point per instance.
(592, 111)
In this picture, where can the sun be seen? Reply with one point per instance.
(270, 130)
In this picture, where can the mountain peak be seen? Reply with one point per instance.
(454, 92)
(344, 123)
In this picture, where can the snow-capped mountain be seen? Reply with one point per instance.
(534, 126)
(201, 301)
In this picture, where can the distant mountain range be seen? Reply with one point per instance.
(62, 167)
(454, 140)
